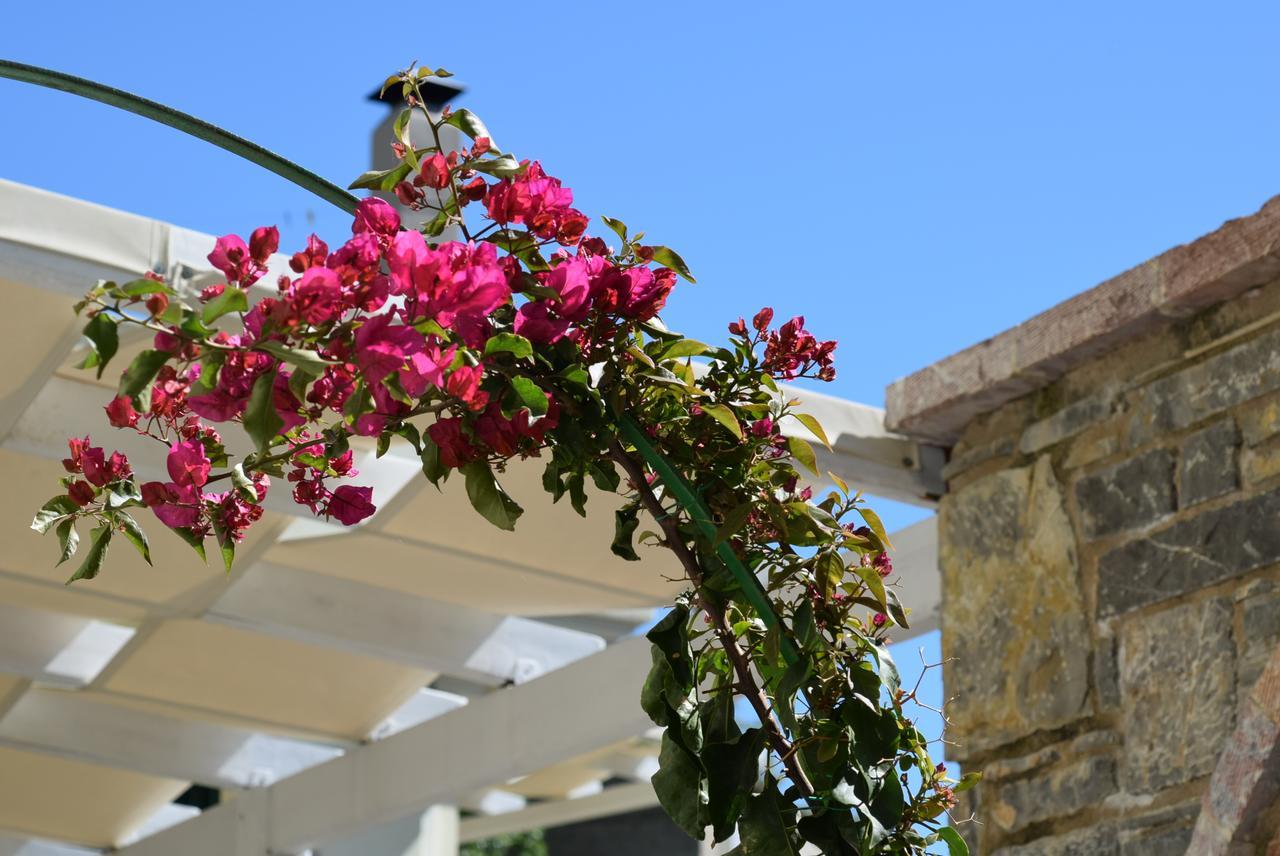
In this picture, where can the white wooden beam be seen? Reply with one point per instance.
(615, 800)
(55, 647)
(580, 708)
(78, 725)
(416, 631)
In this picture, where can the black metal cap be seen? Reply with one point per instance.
(436, 91)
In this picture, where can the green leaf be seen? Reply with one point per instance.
(261, 421)
(501, 166)
(226, 544)
(619, 228)
(431, 466)
(722, 414)
(803, 452)
(815, 427)
(670, 258)
(124, 492)
(508, 343)
(68, 539)
(103, 334)
(888, 669)
(762, 828)
(141, 372)
(142, 287)
(871, 577)
(873, 521)
(51, 512)
(469, 123)
(955, 844)
(896, 611)
(300, 357)
(382, 179)
(101, 538)
(684, 348)
(967, 781)
(231, 299)
(732, 768)
(625, 522)
(678, 786)
(488, 497)
(243, 483)
(733, 521)
(134, 533)
(829, 569)
(530, 395)
(401, 126)
(195, 541)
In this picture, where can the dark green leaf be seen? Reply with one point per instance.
(871, 577)
(100, 539)
(888, 669)
(51, 512)
(141, 372)
(300, 357)
(382, 179)
(873, 521)
(683, 348)
(955, 844)
(231, 299)
(508, 343)
(502, 166)
(226, 544)
(134, 533)
(896, 611)
(670, 258)
(469, 123)
(196, 541)
(619, 228)
(625, 522)
(732, 768)
(488, 497)
(243, 483)
(142, 287)
(733, 521)
(68, 539)
(678, 786)
(101, 331)
(763, 828)
(431, 466)
(261, 421)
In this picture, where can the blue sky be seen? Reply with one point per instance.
(912, 177)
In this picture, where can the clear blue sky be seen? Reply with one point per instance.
(912, 177)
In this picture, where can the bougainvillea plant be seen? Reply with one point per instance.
(533, 338)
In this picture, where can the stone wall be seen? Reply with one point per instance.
(1110, 549)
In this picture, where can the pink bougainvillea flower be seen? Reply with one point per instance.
(120, 412)
(377, 216)
(264, 241)
(350, 504)
(456, 448)
(286, 404)
(315, 254)
(188, 464)
(81, 493)
(426, 369)
(464, 383)
(176, 506)
(454, 284)
(435, 172)
(382, 346)
(316, 298)
(537, 323)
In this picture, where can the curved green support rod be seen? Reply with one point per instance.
(188, 124)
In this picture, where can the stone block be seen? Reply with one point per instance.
(1260, 420)
(1177, 685)
(1259, 630)
(1215, 545)
(1261, 463)
(1067, 422)
(1135, 493)
(1014, 615)
(1094, 841)
(1050, 793)
(1207, 466)
(1205, 389)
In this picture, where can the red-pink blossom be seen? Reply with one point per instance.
(120, 412)
(188, 464)
(350, 504)
(382, 346)
(176, 506)
(377, 216)
(455, 446)
(81, 493)
(264, 241)
(316, 298)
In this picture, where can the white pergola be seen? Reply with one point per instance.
(338, 679)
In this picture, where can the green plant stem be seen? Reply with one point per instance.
(184, 122)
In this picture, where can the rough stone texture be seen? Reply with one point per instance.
(1215, 545)
(1067, 422)
(1207, 388)
(1015, 622)
(1057, 792)
(1135, 493)
(1261, 463)
(1172, 737)
(938, 401)
(1260, 421)
(1208, 465)
(1259, 630)
(1097, 841)
(1106, 674)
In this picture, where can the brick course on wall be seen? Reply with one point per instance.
(1110, 550)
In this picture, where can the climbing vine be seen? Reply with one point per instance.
(534, 337)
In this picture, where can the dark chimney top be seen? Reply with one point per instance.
(436, 91)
